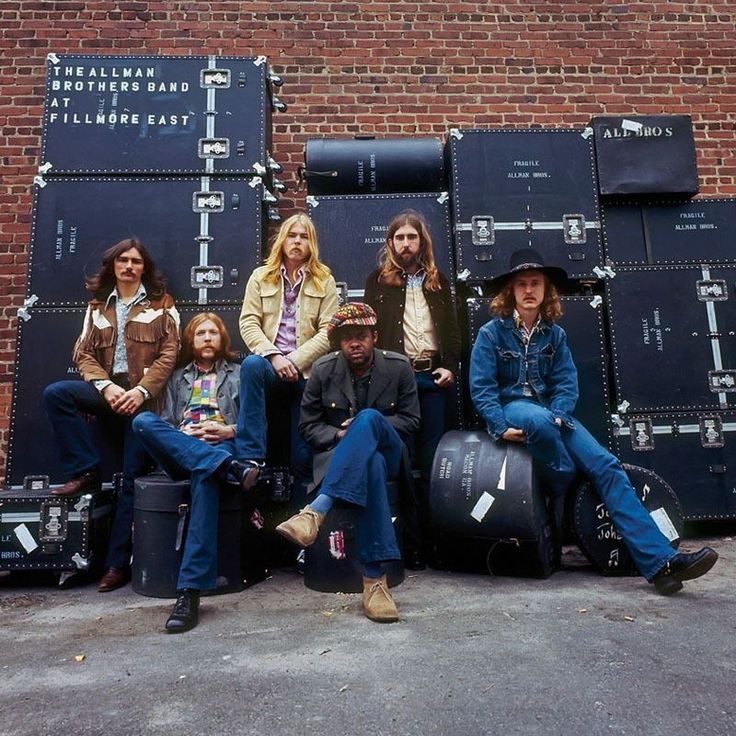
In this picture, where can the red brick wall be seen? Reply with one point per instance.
(390, 68)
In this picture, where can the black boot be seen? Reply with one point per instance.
(185, 614)
(245, 474)
(683, 567)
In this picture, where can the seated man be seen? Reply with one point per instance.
(125, 355)
(359, 405)
(287, 306)
(524, 385)
(195, 438)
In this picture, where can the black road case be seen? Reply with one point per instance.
(43, 354)
(366, 165)
(583, 321)
(650, 154)
(204, 233)
(352, 230)
(695, 231)
(693, 452)
(596, 533)
(673, 337)
(516, 189)
(488, 513)
(156, 114)
(39, 531)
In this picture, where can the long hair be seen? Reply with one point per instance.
(391, 270)
(103, 282)
(187, 340)
(550, 310)
(314, 267)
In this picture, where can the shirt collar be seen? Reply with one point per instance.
(299, 274)
(139, 295)
(521, 325)
(419, 274)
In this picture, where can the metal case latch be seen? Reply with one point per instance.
(213, 147)
(53, 522)
(207, 277)
(482, 229)
(214, 78)
(712, 290)
(719, 381)
(642, 434)
(573, 226)
(711, 431)
(36, 482)
(208, 202)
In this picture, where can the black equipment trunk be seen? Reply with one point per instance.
(156, 114)
(516, 189)
(39, 531)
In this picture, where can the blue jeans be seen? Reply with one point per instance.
(562, 452)
(257, 380)
(364, 460)
(432, 427)
(182, 456)
(64, 400)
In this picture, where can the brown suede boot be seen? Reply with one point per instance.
(378, 603)
(302, 528)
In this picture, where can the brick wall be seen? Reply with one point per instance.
(389, 68)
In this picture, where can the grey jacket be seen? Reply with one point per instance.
(329, 400)
(179, 390)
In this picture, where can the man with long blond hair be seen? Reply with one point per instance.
(524, 385)
(287, 306)
(195, 438)
(416, 318)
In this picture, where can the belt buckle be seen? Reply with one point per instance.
(422, 364)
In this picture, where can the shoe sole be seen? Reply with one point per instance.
(250, 478)
(382, 620)
(673, 583)
(286, 533)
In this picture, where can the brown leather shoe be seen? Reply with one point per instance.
(378, 603)
(302, 528)
(89, 481)
(113, 579)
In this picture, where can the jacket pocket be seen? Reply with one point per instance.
(545, 360)
(509, 366)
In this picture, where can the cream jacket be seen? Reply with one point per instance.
(261, 314)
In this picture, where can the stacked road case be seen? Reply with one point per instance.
(172, 150)
(175, 151)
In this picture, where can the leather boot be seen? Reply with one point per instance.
(378, 602)
(88, 481)
(302, 528)
(684, 566)
(185, 614)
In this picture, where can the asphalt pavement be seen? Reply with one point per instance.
(576, 653)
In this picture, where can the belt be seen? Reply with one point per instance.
(421, 365)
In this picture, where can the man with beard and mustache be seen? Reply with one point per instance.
(359, 407)
(195, 438)
(416, 317)
(125, 355)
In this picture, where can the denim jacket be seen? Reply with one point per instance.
(500, 366)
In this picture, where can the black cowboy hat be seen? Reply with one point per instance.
(528, 259)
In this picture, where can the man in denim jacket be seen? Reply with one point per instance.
(524, 385)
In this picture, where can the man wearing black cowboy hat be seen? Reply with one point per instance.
(523, 383)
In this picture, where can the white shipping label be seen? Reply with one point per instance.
(25, 538)
(663, 521)
(631, 125)
(501, 486)
(482, 506)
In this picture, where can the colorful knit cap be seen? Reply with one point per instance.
(352, 313)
